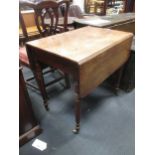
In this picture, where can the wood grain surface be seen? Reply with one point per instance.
(82, 44)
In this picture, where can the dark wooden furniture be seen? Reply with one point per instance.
(46, 10)
(50, 9)
(90, 64)
(123, 22)
(28, 125)
(89, 6)
(97, 7)
(100, 7)
(27, 27)
(43, 10)
(130, 6)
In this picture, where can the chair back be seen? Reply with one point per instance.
(27, 20)
(47, 15)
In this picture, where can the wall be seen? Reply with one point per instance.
(80, 3)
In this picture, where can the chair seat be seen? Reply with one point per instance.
(23, 55)
(31, 29)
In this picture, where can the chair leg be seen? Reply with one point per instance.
(40, 80)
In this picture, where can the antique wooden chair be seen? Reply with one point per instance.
(42, 11)
(47, 17)
(27, 28)
(129, 5)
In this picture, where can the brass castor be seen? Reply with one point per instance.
(75, 131)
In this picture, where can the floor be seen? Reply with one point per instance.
(107, 122)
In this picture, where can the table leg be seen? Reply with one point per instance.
(40, 80)
(77, 111)
(77, 115)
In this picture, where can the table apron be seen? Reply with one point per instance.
(52, 60)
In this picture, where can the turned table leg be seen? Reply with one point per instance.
(77, 108)
(77, 115)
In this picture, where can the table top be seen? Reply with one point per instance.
(104, 21)
(82, 44)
